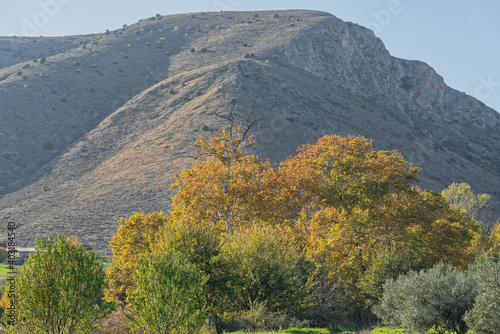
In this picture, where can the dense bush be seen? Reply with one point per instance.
(59, 289)
(259, 318)
(199, 243)
(266, 267)
(485, 314)
(167, 295)
(434, 299)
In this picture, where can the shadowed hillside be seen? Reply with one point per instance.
(96, 130)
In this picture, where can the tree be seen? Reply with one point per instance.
(462, 196)
(435, 299)
(200, 244)
(167, 296)
(344, 201)
(59, 289)
(218, 188)
(135, 237)
(483, 317)
(357, 203)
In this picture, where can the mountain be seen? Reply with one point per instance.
(92, 128)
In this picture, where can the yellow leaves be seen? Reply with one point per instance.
(135, 237)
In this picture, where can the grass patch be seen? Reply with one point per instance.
(4, 270)
(307, 331)
(389, 330)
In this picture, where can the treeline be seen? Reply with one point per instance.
(311, 241)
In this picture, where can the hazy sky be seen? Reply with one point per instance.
(460, 39)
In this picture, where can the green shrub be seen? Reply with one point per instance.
(259, 318)
(59, 289)
(168, 292)
(484, 315)
(434, 299)
(388, 265)
(3, 255)
(199, 244)
(266, 267)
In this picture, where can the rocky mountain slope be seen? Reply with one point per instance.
(93, 127)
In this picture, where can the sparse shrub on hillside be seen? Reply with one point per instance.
(193, 50)
(247, 55)
(198, 30)
(245, 44)
(107, 32)
(203, 50)
(199, 93)
(205, 128)
(19, 73)
(172, 91)
(276, 16)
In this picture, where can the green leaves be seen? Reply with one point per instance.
(434, 299)
(168, 294)
(59, 289)
(462, 196)
(484, 316)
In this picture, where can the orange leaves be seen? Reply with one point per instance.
(343, 201)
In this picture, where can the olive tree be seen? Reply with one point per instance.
(437, 299)
(484, 316)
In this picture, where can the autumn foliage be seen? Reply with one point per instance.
(352, 213)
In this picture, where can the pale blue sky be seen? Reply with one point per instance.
(458, 38)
